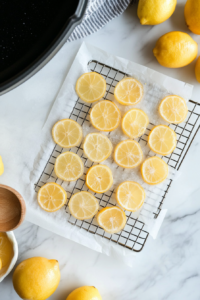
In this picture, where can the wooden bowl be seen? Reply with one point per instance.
(12, 208)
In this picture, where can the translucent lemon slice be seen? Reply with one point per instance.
(162, 140)
(111, 219)
(154, 170)
(51, 197)
(130, 195)
(91, 87)
(68, 166)
(67, 133)
(99, 178)
(83, 205)
(105, 116)
(128, 91)
(134, 123)
(173, 109)
(97, 147)
(128, 154)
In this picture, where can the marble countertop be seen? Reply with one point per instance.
(168, 267)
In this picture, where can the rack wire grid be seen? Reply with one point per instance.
(134, 235)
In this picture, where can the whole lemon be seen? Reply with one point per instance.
(197, 69)
(1, 166)
(85, 293)
(36, 278)
(175, 49)
(192, 15)
(153, 12)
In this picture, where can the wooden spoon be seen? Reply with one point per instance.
(12, 208)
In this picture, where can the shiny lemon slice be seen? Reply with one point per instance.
(154, 170)
(51, 197)
(128, 91)
(162, 140)
(67, 133)
(99, 179)
(91, 87)
(173, 109)
(83, 205)
(97, 147)
(105, 116)
(1, 265)
(111, 219)
(128, 154)
(130, 195)
(134, 123)
(68, 166)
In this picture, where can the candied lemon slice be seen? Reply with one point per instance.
(128, 91)
(1, 265)
(134, 123)
(154, 170)
(97, 147)
(91, 87)
(83, 205)
(105, 116)
(173, 109)
(162, 140)
(128, 154)
(68, 166)
(67, 133)
(99, 178)
(51, 197)
(111, 219)
(130, 195)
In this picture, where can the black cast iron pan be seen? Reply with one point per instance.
(31, 32)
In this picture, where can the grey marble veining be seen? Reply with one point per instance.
(168, 267)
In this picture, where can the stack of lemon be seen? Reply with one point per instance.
(105, 116)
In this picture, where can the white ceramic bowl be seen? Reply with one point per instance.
(12, 238)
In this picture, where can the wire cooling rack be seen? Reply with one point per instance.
(134, 235)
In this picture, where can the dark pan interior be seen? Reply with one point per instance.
(27, 28)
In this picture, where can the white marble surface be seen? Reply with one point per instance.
(168, 268)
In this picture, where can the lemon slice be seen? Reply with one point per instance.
(97, 147)
(162, 140)
(68, 166)
(51, 197)
(128, 154)
(128, 91)
(1, 265)
(134, 123)
(105, 116)
(111, 219)
(83, 205)
(130, 195)
(67, 133)
(99, 179)
(173, 109)
(91, 87)
(154, 170)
